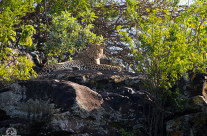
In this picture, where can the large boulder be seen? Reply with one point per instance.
(34, 100)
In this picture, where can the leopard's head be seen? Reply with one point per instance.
(95, 51)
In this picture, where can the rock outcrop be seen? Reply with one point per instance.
(97, 103)
(191, 118)
(61, 104)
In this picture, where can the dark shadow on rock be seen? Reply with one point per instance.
(57, 92)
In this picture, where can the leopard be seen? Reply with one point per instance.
(88, 60)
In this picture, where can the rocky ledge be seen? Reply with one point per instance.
(76, 103)
(92, 103)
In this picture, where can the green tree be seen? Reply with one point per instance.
(166, 47)
(10, 17)
(67, 35)
(50, 28)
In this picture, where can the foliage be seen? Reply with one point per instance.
(50, 28)
(11, 13)
(21, 69)
(167, 47)
(88, 16)
(27, 32)
(72, 6)
(66, 35)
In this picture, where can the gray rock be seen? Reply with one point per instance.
(100, 103)
(58, 107)
(188, 125)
